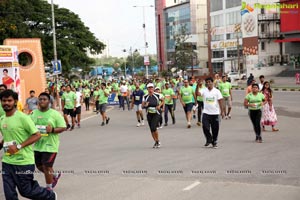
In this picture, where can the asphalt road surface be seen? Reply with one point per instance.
(117, 161)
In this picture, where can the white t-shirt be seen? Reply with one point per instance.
(210, 100)
(260, 86)
(78, 98)
(123, 88)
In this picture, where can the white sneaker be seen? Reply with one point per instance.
(138, 124)
(161, 126)
(143, 123)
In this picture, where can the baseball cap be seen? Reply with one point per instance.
(157, 88)
(150, 85)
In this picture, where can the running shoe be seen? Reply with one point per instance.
(194, 116)
(166, 124)
(260, 140)
(55, 179)
(207, 144)
(256, 139)
(155, 145)
(102, 124)
(199, 123)
(189, 125)
(215, 146)
(161, 126)
(68, 127)
(158, 145)
(107, 120)
(78, 125)
(143, 123)
(138, 124)
(229, 116)
(72, 127)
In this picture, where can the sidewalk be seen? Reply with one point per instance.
(279, 84)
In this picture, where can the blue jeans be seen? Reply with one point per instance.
(21, 176)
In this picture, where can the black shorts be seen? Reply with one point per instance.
(70, 112)
(153, 120)
(78, 110)
(102, 107)
(188, 107)
(44, 158)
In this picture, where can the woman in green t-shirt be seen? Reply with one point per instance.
(254, 101)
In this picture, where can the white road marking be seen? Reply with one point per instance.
(109, 109)
(192, 186)
(89, 117)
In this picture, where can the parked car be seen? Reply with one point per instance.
(236, 76)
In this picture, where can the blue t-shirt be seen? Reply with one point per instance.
(138, 96)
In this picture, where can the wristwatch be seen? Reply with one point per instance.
(19, 146)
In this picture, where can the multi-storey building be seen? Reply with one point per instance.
(253, 36)
(171, 15)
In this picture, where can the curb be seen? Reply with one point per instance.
(275, 89)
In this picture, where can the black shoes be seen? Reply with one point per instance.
(107, 120)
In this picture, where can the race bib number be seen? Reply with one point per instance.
(186, 93)
(6, 146)
(42, 130)
(152, 110)
(137, 98)
(167, 96)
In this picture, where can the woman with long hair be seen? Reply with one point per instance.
(269, 117)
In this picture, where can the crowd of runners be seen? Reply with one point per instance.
(154, 101)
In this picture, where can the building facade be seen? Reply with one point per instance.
(171, 16)
(251, 36)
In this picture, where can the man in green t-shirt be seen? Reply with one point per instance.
(225, 89)
(86, 96)
(68, 102)
(103, 101)
(168, 96)
(199, 98)
(186, 95)
(50, 123)
(19, 133)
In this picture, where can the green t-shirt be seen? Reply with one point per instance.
(102, 98)
(168, 96)
(255, 99)
(2, 112)
(200, 98)
(69, 99)
(225, 89)
(86, 92)
(49, 142)
(186, 94)
(96, 95)
(16, 129)
(143, 86)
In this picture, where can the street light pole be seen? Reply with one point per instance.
(54, 47)
(145, 37)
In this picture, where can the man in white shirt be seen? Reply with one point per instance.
(124, 95)
(261, 80)
(212, 100)
(79, 100)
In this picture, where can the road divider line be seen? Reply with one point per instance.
(95, 115)
(190, 187)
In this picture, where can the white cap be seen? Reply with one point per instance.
(150, 85)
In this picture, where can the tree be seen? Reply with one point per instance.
(184, 51)
(32, 18)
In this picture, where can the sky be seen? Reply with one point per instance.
(117, 23)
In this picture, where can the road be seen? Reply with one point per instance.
(117, 162)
